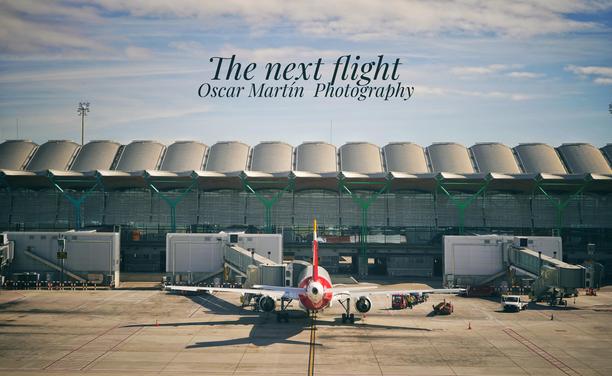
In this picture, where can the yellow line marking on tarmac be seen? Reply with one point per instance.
(313, 339)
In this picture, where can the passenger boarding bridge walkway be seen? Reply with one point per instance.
(554, 279)
(254, 268)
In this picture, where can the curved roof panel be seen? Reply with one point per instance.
(317, 157)
(96, 155)
(584, 158)
(450, 157)
(405, 157)
(14, 154)
(495, 157)
(53, 155)
(184, 156)
(272, 157)
(360, 157)
(227, 156)
(140, 155)
(539, 158)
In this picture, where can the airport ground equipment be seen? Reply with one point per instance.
(85, 255)
(513, 303)
(443, 308)
(401, 301)
(484, 259)
(195, 258)
(554, 279)
(479, 260)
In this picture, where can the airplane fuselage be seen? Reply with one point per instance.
(318, 295)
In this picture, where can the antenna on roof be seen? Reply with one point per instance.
(17, 128)
(331, 129)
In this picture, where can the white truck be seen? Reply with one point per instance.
(513, 303)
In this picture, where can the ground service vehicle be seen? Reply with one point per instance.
(400, 301)
(513, 303)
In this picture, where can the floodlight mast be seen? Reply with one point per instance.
(82, 110)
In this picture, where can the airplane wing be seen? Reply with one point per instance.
(370, 292)
(276, 292)
(344, 290)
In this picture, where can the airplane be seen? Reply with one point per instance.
(314, 292)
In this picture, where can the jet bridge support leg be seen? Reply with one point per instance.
(267, 201)
(364, 201)
(76, 202)
(460, 204)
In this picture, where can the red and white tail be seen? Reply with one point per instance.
(315, 254)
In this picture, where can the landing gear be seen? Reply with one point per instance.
(350, 318)
(347, 316)
(283, 315)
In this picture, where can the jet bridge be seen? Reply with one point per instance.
(554, 279)
(238, 257)
(255, 268)
(485, 260)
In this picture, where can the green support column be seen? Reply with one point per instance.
(461, 204)
(267, 201)
(4, 183)
(559, 203)
(76, 202)
(364, 201)
(172, 201)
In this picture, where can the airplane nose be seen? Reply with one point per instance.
(315, 291)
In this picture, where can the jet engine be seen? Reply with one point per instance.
(363, 304)
(266, 304)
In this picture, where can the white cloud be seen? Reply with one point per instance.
(480, 70)
(138, 53)
(362, 19)
(280, 54)
(96, 72)
(603, 81)
(590, 70)
(27, 26)
(154, 113)
(443, 91)
(524, 75)
(189, 47)
(601, 75)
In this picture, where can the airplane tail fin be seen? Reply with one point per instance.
(315, 254)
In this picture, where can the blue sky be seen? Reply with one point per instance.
(521, 71)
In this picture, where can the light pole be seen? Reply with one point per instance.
(82, 110)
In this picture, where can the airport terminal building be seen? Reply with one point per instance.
(381, 211)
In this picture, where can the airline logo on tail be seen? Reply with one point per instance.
(315, 254)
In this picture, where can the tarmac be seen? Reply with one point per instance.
(145, 332)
